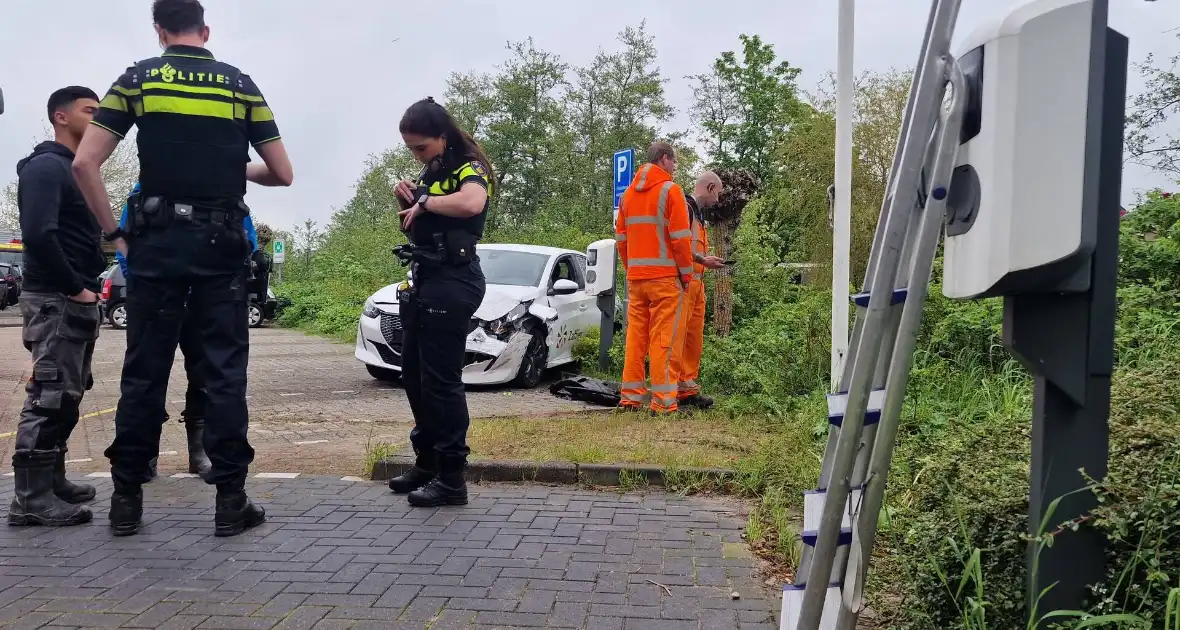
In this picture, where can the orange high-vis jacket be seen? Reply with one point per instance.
(700, 240)
(652, 232)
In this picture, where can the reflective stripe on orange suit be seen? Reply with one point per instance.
(688, 361)
(654, 243)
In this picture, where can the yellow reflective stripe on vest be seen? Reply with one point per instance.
(154, 104)
(152, 86)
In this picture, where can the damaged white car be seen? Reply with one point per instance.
(535, 309)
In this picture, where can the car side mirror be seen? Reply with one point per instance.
(564, 287)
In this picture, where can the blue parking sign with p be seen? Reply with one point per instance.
(624, 171)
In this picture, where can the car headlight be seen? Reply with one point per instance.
(370, 310)
(503, 326)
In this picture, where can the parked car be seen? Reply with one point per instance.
(114, 297)
(534, 310)
(114, 301)
(10, 282)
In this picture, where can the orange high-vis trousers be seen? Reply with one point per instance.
(688, 361)
(655, 330)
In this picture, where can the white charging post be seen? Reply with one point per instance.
(1033, 216)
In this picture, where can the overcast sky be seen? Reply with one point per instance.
(339, 74)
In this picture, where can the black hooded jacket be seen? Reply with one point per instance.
(63, 252)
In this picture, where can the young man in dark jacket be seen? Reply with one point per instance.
(63, 259)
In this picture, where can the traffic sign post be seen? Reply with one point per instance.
(624, 172)
(278, 256)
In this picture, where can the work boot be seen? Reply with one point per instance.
(445, 489)
(126, 512)
(198, 461)
(411, 480)
(235, 513)
(34, 502)
(65, 489)
(697, 401)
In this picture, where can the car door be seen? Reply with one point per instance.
(570, 309)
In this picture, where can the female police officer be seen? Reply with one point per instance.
(443, 215)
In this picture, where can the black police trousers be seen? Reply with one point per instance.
(60, 334)
(436, 318)
(185, 270)
(193, 349)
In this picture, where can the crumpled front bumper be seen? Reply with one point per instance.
(487, 361)
(490, 361)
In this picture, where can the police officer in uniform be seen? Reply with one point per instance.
(197, 119)
(443, 214)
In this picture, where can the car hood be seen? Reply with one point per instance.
(497, 301)
(386, 295)
(500, 299)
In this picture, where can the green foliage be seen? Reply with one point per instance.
(774, 357)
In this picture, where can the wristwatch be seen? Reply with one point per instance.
(110, 237)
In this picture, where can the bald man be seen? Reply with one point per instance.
(687, 361)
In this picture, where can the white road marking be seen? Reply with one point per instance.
(351, 479)
(177, 402)
(168, 452)
(276, 475)
(292, 394)
(184, 476)
(284, 370)
(79, 461)
(97, 475)
(310, 442)
(8, 474)
(344, 391)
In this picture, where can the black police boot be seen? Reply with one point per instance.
(235, 513)
(448, 488)
(152, 466)
(126, 515)
(65, 489)
(198, 461)
(34, 502)
(411, 480)
(422, 473)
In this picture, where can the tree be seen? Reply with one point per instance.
(614, 102)
(9, 211)
(879, 106)
(526, 116)
(1147, 142)
(746, 108)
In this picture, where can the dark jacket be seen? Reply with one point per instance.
(63, 252)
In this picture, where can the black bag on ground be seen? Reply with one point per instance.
(585, 389)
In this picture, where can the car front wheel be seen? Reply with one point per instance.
(117, 316)
(532, 366)
(255, 316)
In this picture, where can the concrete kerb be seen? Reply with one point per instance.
(563, 472)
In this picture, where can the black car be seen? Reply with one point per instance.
(114, 301)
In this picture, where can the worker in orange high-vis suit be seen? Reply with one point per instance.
(687, 362)
(654, 243)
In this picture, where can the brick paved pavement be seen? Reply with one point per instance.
(313, 406)
(338, 554)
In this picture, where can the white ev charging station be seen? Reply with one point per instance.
(600, 281)
(1012, 149)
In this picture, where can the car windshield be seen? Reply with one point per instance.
(513, 268)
